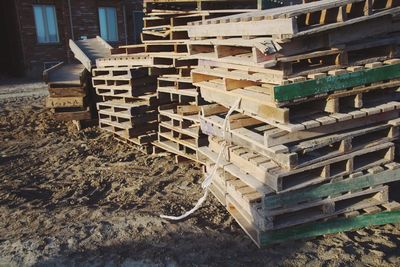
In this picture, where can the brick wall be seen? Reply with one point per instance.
(85, 23)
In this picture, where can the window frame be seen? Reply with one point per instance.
(45, 24)
(107, 22)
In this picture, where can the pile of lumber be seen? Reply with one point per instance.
(310, 147)
(129, 108)
(71, 95)
(137, 82)
(179, 121)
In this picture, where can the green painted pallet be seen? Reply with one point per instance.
(329, 189)
(335, 83)
(328, 227)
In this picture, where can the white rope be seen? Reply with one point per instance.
(207, 182)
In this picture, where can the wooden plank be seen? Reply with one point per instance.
(328, 227)
(335, 83)
(325, 190)
(62, 102)
(75, 115)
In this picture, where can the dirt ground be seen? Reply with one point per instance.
(70, 198)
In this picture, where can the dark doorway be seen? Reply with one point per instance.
(11, 63)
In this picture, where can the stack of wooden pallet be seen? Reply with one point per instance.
(309, 150)
(129, 107)
(165, 37)
(71, 95)
(167, 20)
(169, 68)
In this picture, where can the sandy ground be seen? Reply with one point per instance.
(71, 198)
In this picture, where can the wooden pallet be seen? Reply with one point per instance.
(184, 120)
(238, 197)
(185, 96)
(303, 121)
(127, 131)
(149, 99)
(293, 21)
(173, 61)
(72, 115)
(149, 49)
(327, 201)
(352, 183)
(298, 153)
(141, 143)
(125, 61)
(126, 72)
(177, 148)
(165, 18)
(377, 215)
(123, 119)
(304, 64)
(130, 109)
(200, 5)
(337, 106)
(268, 172)
(226, 79)
(70, 91)
(65, 102)
(123, 82)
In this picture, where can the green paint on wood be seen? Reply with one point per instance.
(329, 227)
(325, 190)
(335, 83)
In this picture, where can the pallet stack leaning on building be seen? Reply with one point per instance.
(310, 148)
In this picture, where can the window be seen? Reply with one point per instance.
(137, 26)
(46, 24)
(108, 23)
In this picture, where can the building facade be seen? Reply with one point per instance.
(38, 31)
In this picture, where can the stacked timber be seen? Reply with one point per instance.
(165, 25)
(71, 95)
(310, 147)
(173, 96)
(167, 20)
(130, 106)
